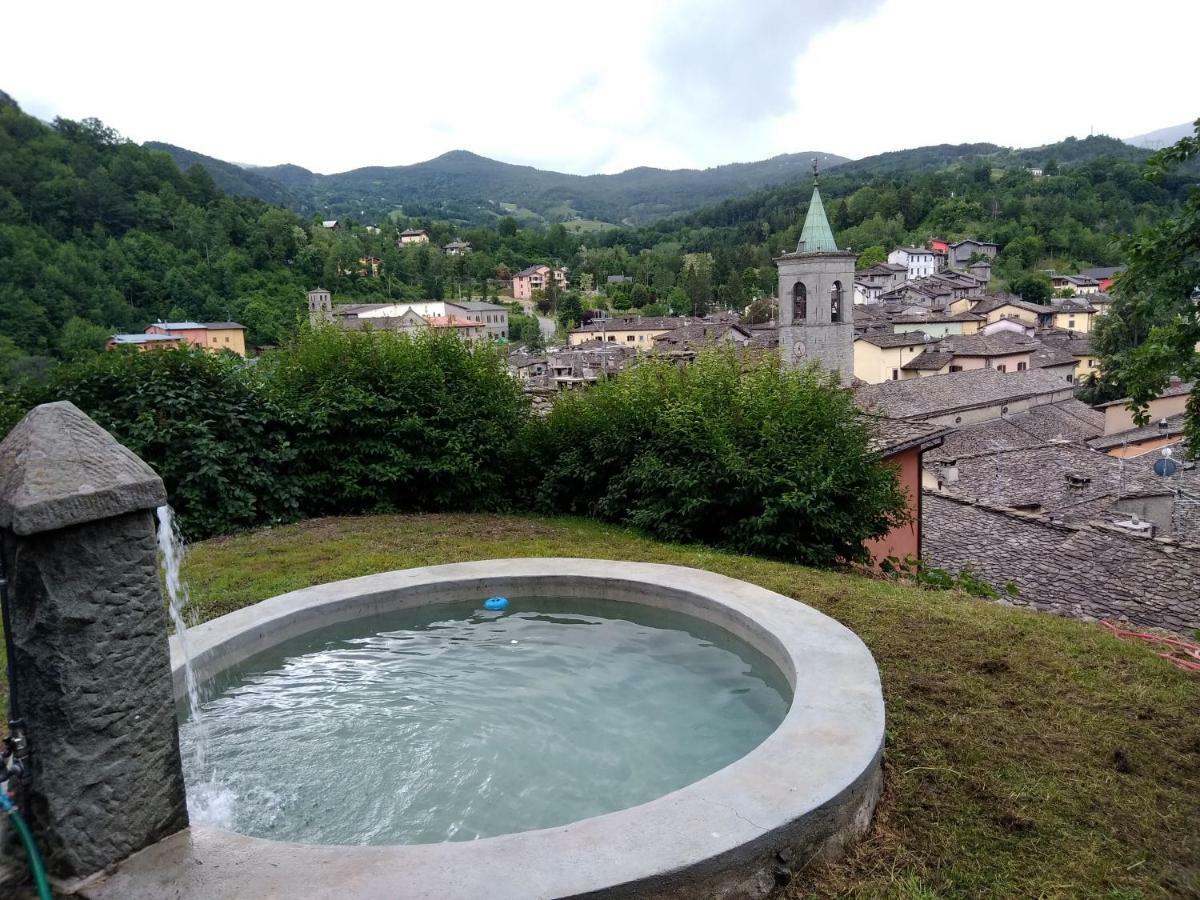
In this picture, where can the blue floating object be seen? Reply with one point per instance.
(495, 603)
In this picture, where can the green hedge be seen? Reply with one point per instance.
(729, 452)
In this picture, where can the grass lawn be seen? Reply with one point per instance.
(1027, 755)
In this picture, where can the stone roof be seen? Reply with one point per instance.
(1048, 357)
(1065, 480)
(637, 323)
(1065, 420)
(1103, 271)
(1000, 343)
(1148, 432)
(891, 436)
(929, 360)
(996, 301)
(697, 334)
(478, 306)
(904, 339)
(355, 309)
(975, 242)
(917, 398)
(1086, 570)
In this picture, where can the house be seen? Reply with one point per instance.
(1073, 315)
(638, 332)
(413, 236)
(1172, 401)
(937, 245)
(457, 248)
(145, 341)
(902, 445)
(465, 330)
(938, 324)
(371, 229)
(586, 364)
(493, 316)
(1166, 431)
(535, 278)
(980, 270)
(370, 266)
(882, 357)
(1076, 284)
(684, 342)
(885, 276)
(1104, 276)
(330, 225)
(962, 398)
(1005, 351)
(619, 279)
(918, 261)
(1007, 306)
(962, 251)
(527, 366)
(212, 336)
(1054, 359)
(1076, 343)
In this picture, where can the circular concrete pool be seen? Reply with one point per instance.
(772, 803)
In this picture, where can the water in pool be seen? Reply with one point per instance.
(454, 723)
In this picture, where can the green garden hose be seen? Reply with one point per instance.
(31, 850)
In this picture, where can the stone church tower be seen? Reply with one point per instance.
(816, 297)
(320, 306)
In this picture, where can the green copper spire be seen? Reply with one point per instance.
(816, 236)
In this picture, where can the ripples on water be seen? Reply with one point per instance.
(454, 723)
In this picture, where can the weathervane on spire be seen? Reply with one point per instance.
(814, 170)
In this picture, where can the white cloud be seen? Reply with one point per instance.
(602, 87)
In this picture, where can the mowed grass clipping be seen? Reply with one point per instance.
(1027, 755)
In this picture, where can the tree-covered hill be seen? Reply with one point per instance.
(230, 178)
(474, 190)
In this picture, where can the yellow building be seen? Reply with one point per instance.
(1073, 315)
(225, 336)
(882, 357)
(638, 332)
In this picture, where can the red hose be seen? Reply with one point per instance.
(1183, 654)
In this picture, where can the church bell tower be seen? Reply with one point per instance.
(816, 297)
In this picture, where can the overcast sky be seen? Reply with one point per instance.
(600, 87)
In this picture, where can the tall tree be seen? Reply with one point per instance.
(1152, 331)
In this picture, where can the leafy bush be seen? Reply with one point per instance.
(382, 421)
(735, 454)
(198, 420)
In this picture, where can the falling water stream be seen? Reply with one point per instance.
(209, 802)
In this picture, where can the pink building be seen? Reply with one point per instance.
(535, 278)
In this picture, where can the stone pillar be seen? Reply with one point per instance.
(91, 664)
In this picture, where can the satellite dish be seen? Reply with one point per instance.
(1165, 467)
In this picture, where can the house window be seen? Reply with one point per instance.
(1001, 368)
(629, 337)
(956, 368)
(1070, 323)
(1021, 367)
(895, 374)
(799, 301)
(1091, 364)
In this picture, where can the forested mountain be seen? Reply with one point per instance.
(468, 189)
(230, 178)
(473, 190)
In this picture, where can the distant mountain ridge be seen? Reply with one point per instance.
(463, 185)
(471, 189)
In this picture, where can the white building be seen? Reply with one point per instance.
(919, 261)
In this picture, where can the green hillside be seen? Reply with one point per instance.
(471, 189)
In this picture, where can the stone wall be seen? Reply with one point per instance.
(1090, 571)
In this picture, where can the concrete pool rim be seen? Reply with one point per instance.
(804, 792)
